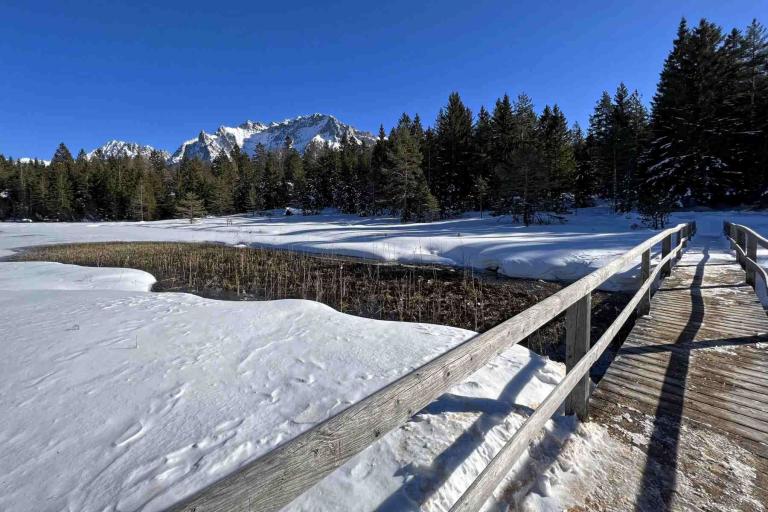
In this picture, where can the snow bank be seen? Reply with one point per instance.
(41, 275)
(113, 397)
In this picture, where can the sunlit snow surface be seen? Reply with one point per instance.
(568, 251)
(116, 398)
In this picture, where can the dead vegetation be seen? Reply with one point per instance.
(455, 297)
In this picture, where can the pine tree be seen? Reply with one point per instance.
(751, 103)
(223, 201)
(518, 168)
(375, 190)
(502, 130)
(584, 182)
(407, 190)
(190, 207)
(557, 160)
(452, 177)
(480, 189)
(482, 143)
(689, 160)
(294, 177)
(601, 146)
(347, 196)
(59, 197)
(81, 188)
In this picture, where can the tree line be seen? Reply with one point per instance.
(703, 143)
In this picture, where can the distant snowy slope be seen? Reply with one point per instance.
(119, 148)
(301, 131)
(27, 160)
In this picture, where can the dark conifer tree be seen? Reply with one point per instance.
(376, 196)
(452, 177)
(558, 164)
(689, 161)
(407, 190)
(59, 197)
(751, 93)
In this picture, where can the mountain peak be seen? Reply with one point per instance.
(119, 148)
(250, 125)
(303, 131)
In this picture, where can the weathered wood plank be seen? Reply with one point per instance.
(722, 376)
(645, 272)
(715, 394)
(664, 405)
(674, 392)
(577, 332)
(609, 402)
(697, 357)
(738, 237)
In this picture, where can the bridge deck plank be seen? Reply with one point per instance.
(692, 371)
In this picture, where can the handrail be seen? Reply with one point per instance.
(276, 478)
(744, 241)
(477, 493)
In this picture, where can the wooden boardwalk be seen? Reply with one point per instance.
(687, 395)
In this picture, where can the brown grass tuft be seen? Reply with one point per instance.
(459, 298)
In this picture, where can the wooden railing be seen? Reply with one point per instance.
(275, 479)
(745, 241)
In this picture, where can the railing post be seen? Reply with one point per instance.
(751, 254)
(666, 247)
(644, 307)
(577, 329)
(742, 246)
(678, 239)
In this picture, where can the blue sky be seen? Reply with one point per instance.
(159, 72)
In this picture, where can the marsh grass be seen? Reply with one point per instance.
(455, 297)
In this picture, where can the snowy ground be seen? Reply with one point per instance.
(117, 398)
(564, 252)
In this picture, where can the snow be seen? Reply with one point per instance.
(119, 148)
(57, 276)
(113, 397)
(562, 252)
(302, 130)
(28, 160)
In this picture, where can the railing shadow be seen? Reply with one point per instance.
(657, 489)
(422, 482)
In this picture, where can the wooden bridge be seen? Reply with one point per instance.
(696, 361)
(689, 389)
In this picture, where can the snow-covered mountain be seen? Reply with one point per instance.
(27, 160)
(302, 131)
(119, 148)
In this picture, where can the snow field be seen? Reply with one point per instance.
(562, 252)
(114, 397)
